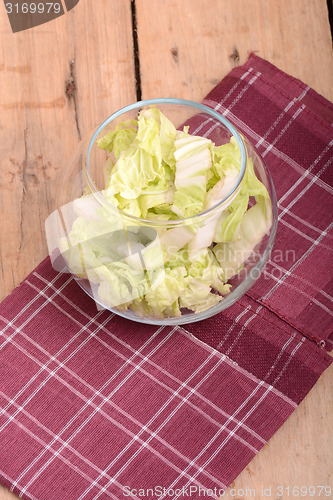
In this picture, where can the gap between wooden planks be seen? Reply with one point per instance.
(60, 79)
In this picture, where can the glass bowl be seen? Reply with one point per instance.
(163, 269)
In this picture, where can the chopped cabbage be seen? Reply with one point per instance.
(158, 173)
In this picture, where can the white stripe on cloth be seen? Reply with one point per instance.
(238, 368)
(279, 118)
(302, 340)
(305, 223)
(84, 328)
(241, 331)
(304, 235)
(236, 85)
(36, 311)
(295, 200)
(166, 420)
(241, 93)
(298, 168)
(285, 128)
(284, 347)
(226, 110)
(309, 170)
(302, 292)
(3, 474)
(279, 282)
(219, 104)
(219, 448)
(53, 435)
(277, 121)
(63, 459)
(298, 262)
(150, 362)
(224, 358)
(225, 337)
(269, 146)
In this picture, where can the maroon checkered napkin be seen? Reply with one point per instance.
(95, 406)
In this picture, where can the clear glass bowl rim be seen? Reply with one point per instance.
(255, 272)
(168, 100)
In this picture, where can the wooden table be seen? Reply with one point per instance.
(60, 79)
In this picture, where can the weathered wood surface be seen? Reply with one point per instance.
(57, 82)
(60, 79)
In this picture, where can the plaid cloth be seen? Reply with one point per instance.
(95, 406)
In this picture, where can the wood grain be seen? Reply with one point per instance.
(185, 47)
(185, 52)
(57, 82)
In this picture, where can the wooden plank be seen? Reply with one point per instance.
(300, 453)
(187, 46)
(57, 81)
